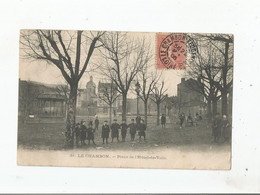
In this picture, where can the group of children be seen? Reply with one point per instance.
(221, 129)
(133, 127)
(83, 133)
(190, 121)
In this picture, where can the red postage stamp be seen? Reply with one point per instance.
(171, 51)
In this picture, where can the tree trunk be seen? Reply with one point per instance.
(110, 114)
(145, 112)
(209, 113)
(214, 107)
(124, 106)
(224, 102)
(71, 115)
(224, 75)
(158, 114)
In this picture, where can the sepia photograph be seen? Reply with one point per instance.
(133, 96)
(125, 99)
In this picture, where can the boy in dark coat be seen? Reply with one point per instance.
(163, 121)
(216, 127)
(115, 130)
(105, 131)
(138, 120)
(83, 132)
(77, 134)
(132, 128)
(123, 127)
(90, 132)
(142, 129)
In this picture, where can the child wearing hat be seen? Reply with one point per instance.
(83, 131)
(142, 129)
(132, 128)
(90, 132)
(115, 130)
(105, 131)
(123, 127)
(77, 134)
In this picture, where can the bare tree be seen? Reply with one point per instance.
(122, 58)
(204, 70)
(70, 52)
(224, 44)
(158, 96)
(148, 80)
(109, 95)
(171, 103)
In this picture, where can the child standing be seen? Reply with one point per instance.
(90, 132)
(105, 132)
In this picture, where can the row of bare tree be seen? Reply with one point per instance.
(124, 59)
(213, 68)
(120, 58)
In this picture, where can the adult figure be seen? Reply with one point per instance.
(163, 121)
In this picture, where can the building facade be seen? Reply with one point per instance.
(190, 101)
(40, 102)
(87, 99)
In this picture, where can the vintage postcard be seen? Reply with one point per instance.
(125, 99)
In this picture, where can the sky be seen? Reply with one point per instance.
(40, 71)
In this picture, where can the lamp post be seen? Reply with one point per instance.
(88, 112)
(137, 89)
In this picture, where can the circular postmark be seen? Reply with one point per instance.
(192, 48)
(172, 50)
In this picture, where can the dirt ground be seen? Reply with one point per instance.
(51, 137)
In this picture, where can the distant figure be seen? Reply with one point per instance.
(132, 128)
(90, 122)
(77, 134)
(83, 132)
(216, 127)
(182, 119)
(142, 129)
(123, 127)
(226, 129)
(105, 132)
(115, 130)
(163, 121)
(96, 124)
(138, 120)
(190, 120)
(197, 117)
(200, 117)
(90, 132)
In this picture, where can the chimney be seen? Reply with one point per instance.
(182, 80)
